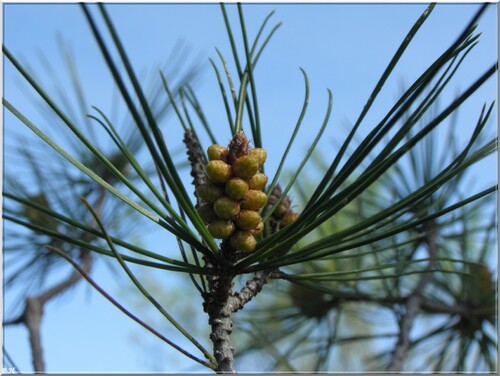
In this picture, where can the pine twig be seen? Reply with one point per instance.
(252, 288)
(33, 311)
(413, 307)
(32, 318)
(217, 305)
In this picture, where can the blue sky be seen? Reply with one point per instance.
(344, 47)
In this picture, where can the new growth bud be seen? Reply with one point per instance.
(243, 241)
(258, 181)
(245, 167)
(248, 220)
(207, 213)
(226, 208)
(289, 218)
(232, 200)
(254, 200)
(218, 171)
(259, 154)
(236, 188)
(283, 215)
(221, 229)
(217, 153)
(209, 192)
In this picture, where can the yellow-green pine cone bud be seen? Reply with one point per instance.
(245, 167)
(243, 241)
(207, 213)
(258, 153)
(217, 153)
(254, 200)
(218, 171)
(221, 229)
(209, 192)
(258, 229)
(280, 210)
(236, 188)
(226, 208)
(248, 220)
(289, 218)
(258, 181)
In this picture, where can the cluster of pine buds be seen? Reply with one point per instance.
(283, 215)
(232, 198)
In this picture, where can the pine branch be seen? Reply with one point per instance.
(219, 309)
(32, 318)
(34, 308)
(86, 262)
(252, 288)
(413, 306)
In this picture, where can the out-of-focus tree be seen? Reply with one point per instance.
(37, 186)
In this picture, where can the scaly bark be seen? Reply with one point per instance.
(219, 309)
(221, 303)
(252, 288)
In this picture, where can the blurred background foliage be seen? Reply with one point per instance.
(351, 323)
(34, 174)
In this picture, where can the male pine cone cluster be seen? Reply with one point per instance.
(283, 215)
(232, 198)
